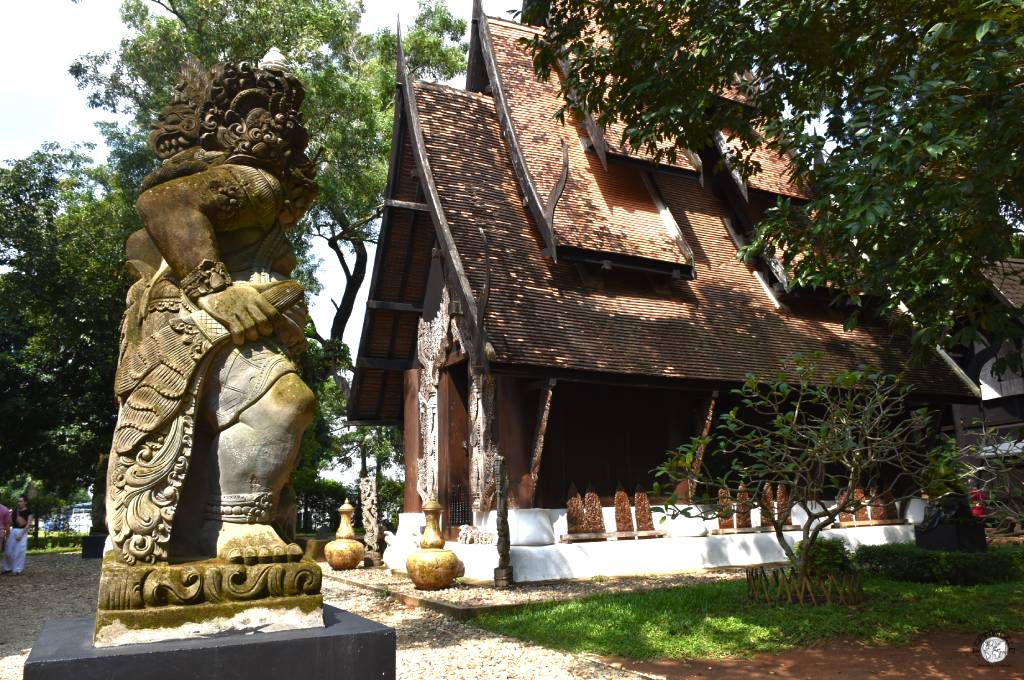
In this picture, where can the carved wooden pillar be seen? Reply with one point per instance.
(411, 439)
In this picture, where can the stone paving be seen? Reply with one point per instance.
(430, 645)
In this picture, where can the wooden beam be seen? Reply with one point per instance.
(594, 131)
(441, 228)
(406, 205)
(476, 72)
(508, 131)
(398, 131)
(394, 306)
(537, 449)
(667, 218)
(383, 364)
(681, 270)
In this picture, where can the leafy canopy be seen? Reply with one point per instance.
(916, 106)
(834, 446)
(61, 299)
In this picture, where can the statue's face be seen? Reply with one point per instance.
(175, 129)
(247, 111)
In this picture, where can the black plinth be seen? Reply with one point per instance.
(961, 537)
(92, 546)
(347, 647)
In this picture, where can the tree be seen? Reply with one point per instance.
(349, 79)
(850, 437)
(993, 468)
(61, 300)
(917, 107)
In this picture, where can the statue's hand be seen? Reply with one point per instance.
(244, 312)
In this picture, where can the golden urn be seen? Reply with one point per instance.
(344, 552)
(432, 567)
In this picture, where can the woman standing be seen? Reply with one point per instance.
(17, 542)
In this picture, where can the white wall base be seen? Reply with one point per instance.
(631, 558)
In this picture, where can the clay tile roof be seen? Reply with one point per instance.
(774, 176)
(535, 103)
(1008, 279)
(610, 211)
(714, 329)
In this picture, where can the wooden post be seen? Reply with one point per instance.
(537, 449)
(503, 572)
(411, 439)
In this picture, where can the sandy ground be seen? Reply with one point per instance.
(431, 645)
(937, 656)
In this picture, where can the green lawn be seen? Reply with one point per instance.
(712, 620)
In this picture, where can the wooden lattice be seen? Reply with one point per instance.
(783, 585)
(862, 511)
(593, 518)
(843, 516)
(623, 516)
(725, 516)
(574, 511)
(644, 519)
(782, 503)
(742, 507)
(767, 505)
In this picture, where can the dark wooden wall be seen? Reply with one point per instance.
(453, 435)
(605, 435)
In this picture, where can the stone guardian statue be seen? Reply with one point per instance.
(211, 404)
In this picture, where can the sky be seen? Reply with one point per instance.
(39, 101)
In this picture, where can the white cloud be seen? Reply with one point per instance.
(38, 42)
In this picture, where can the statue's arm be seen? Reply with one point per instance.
(176, 215)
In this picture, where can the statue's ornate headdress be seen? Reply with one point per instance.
(250, 111)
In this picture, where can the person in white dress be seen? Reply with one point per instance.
(17, 542)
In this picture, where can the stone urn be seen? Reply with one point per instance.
(432, 567)
(344, 552)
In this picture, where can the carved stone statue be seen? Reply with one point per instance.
(211, 405)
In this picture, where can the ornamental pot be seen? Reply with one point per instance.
(432, 567)
(344, 552)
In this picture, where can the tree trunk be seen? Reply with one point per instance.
(353, 281)
(98, 509)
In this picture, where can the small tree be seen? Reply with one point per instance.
(850, 436)
(993, 466)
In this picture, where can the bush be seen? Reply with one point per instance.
(826, 555)
(907, 562)
(55, 542)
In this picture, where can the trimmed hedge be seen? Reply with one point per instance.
(55, 542)
(907, 562)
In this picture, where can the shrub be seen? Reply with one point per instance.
(54, 542)
(907, 562)
(826, 555)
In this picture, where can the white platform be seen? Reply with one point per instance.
(686, 549)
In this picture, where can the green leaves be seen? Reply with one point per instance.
(918, 106)
(61, 301)
(984, 28)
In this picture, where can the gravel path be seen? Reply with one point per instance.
(480, 595)
(430, 645)
(51, 587)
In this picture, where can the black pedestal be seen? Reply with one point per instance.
(960, 537)
(92, 546)
(503, 577)
(347, 647)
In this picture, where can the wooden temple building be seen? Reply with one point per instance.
(542, 294)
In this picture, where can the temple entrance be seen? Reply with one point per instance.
(603, 436)
(453, 446)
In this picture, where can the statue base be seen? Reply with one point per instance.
(146, 603)
(344, 646)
